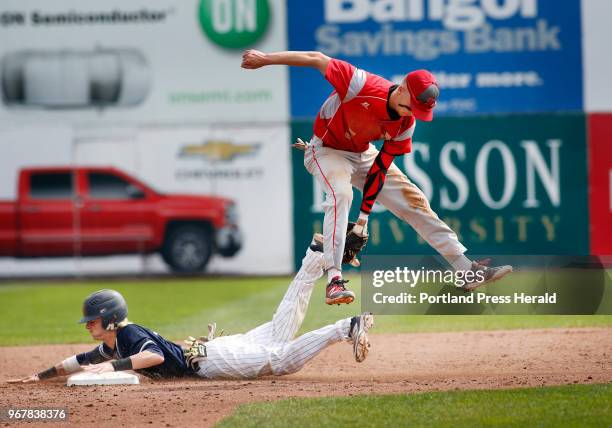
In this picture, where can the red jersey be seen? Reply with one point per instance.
(356, 112)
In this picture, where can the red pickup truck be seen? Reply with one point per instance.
(94, 211)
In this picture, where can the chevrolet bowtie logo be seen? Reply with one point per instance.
(218, 150)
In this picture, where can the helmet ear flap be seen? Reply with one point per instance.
(111, 323)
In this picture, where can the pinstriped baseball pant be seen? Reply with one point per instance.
(338, 171)
(271, 349)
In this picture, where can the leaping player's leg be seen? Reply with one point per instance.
(407, 201)
(404, 199)
(291, 311)
(333, 172)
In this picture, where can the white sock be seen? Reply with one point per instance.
(332, 273)
(460, 262)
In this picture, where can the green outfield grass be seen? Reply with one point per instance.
(33, 313)
(565, 406)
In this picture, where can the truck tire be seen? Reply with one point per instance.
(187, 249)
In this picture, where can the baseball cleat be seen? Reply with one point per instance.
(358, 333)
(336, 293)
(490, 274)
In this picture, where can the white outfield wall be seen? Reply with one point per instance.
(597, 55)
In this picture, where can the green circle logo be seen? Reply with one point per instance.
(234, 24)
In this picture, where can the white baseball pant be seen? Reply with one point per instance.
(338, 171)
(271, 349)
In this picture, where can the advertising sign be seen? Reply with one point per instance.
(139, 61)
(505, 185)
(600, 183)
(488, 56)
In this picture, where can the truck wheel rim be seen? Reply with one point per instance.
(189, 251)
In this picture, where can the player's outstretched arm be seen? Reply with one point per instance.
(62, 369)
(252, 59)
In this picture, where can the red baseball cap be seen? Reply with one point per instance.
(424, 93)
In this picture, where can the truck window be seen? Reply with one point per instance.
(107, 186)
(51, 185)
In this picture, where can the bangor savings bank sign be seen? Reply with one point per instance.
(482, 51)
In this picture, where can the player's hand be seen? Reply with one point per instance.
(252, 59)
(99, 368)
(360, 228)
(28, 379)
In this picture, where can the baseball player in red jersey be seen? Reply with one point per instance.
(362, 108)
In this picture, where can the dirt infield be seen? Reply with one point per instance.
(397, 363)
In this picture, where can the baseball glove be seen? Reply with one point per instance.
(356, 241)
(195, 352)
(196, 348)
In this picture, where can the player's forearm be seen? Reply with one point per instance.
(51, 372)
(375, 181)
(66, 367)
(298, 58)
(146, 359)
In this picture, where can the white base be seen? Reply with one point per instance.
(113, 378)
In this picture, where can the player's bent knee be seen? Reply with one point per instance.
(344, 195)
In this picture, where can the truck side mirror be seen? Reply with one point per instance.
(134, 192)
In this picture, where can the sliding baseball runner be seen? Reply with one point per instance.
(363, 108)
(270, 349)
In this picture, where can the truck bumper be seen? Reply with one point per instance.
(229, 241)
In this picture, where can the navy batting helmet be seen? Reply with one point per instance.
(106, 304)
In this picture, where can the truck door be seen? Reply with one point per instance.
(47, 216)
(115, 216)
